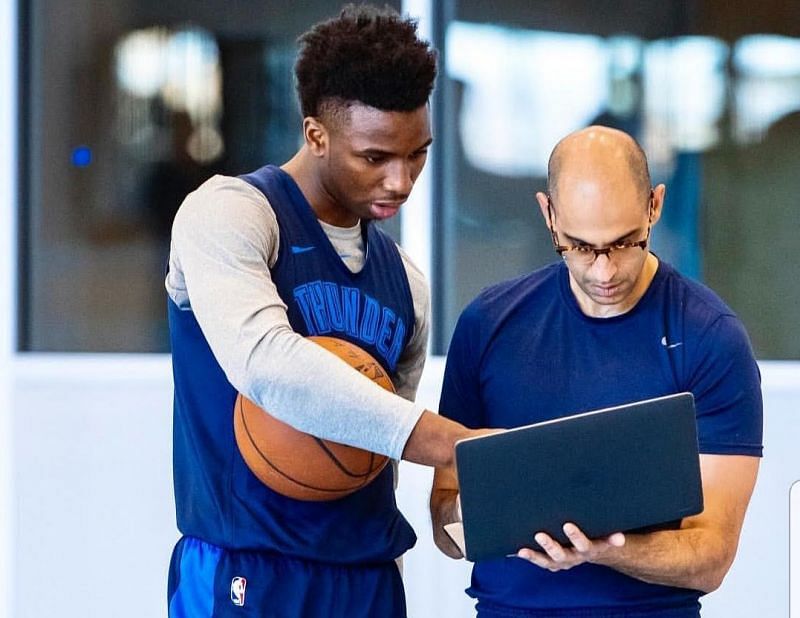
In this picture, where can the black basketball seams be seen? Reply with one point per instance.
(340, 465)
(272, 465)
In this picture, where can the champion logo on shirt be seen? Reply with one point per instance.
(296, 249)
(238, 585)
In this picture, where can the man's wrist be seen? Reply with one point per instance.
(432, 441)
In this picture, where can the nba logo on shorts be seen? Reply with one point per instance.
(238, 584)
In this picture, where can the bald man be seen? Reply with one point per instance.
(607, 324)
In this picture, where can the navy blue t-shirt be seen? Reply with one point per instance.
(524, 352)
(218, 499)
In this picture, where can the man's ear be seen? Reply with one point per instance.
(543, 203)
(659, 192)
(316, 136)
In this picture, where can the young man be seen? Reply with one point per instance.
(609, 324)
(257, 263)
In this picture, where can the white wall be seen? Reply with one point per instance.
(93, 488)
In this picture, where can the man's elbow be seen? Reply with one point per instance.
(710, 583)
(714, 574)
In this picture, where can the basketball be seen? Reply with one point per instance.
(297, 464)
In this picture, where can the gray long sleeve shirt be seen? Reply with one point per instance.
(225, 237)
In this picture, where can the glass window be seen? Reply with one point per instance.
(127, 106)
(716, 108)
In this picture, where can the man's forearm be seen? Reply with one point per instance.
(688, 558)
(699, 554)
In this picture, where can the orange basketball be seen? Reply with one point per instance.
(297, 464)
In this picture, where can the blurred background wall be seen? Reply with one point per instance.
(110, 112)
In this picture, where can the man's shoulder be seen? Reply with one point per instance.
(264, 173)
(702, 315)
(697, 300)
(497, 302)
(528, 287)
(222, 191)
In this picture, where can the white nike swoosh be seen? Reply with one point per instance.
(670, 346)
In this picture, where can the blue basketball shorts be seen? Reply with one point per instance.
(206, 581)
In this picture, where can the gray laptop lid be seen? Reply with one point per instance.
(625, 468)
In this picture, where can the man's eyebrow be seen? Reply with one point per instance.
(578, 241)
(388, 153)
(374, 152)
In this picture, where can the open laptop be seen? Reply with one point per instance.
(631, 467)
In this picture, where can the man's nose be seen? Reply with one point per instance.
(604, 268)
(398, 180)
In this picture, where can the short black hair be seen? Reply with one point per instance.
(366, 54)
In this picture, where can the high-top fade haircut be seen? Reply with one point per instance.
(367, 55)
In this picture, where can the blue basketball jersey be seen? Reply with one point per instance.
(218, 499)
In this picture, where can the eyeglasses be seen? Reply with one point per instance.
(586, 255)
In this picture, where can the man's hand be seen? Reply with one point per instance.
(445, 509)
(556, 557)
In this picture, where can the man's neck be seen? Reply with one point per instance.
(301, 167)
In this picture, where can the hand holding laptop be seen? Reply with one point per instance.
(552, 555)
(556, 557)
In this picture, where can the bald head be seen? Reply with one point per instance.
(598, 153)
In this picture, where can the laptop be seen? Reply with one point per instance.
(633, 467)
